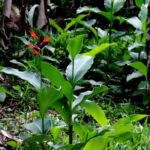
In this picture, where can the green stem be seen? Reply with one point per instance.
(70, 134)
(70, 125)
(72, 82)
(43, 127)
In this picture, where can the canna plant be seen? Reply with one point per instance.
(35, 79)
(75, 71)
(49, 96)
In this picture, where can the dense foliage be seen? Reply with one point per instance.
(82, 85)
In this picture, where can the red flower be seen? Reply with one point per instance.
(29, 45)
(45, 40)
(39, 46)
(36, 53)
(33, 34)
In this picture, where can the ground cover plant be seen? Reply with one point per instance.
(76, 80)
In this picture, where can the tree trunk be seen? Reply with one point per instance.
(43, 21)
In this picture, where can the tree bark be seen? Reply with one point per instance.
(43, 17)
(7, 8)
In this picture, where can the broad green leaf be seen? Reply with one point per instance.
(108, 5)
(118, 130)
(90, 22)
(18, 63)
(55, 131)
(81, 66)
(98, 49)
(107, 15)
(124, 125)
(88, 94)
(50, 59)
(118, 4)
(96, 10)
(129, 119)
(122, 138)
(31, 14)
(23, 40)
(97, 143)
(85, 132)
(102, 33)
(143, 85)
(53, 23)
(96, 112)
(134, 75)
(57, 79)
(31, 77)
(62, 108)
(114, 5)
(92, 82)
(87, 9)
(75, 46)
(46, 97)
(135, 45)
(36, 126)
(140, 67)
(79, 129)
(143, 13)
(139, 3)
(135, 22)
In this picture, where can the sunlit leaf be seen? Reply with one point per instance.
(56, 78)
(98, 49)
(46, 97)
(75, 46)
(81, 66)
(97, 143)
(96, 112)
(87, 95)
(87, 9)
(31, 77)
(140, 67)
(36, 126)
(135, 22)
(134, 75)
(31, 14)
(139, 3)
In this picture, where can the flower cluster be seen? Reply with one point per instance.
(37, 48)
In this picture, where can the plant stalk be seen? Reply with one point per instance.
(70, 125)
(70, 133)
(43, 127)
